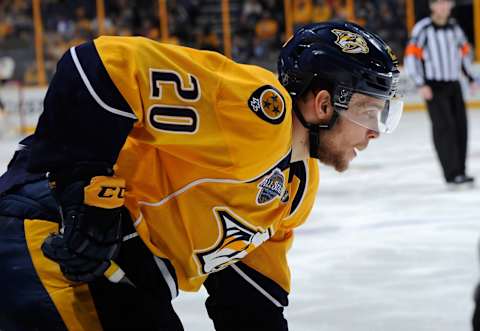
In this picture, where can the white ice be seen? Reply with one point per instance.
(387, 246)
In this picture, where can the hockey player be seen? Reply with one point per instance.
(184, 169)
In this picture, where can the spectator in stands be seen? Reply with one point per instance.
(243, 40)
(322, 11)
(150, 29)
(252, 10)
(339, 11)
(30, 75)
(7, 67)
(6, 26)
(65, 27)
(83, 24)
(208, 39)
(68, 23)
(302, 12)
(266, 34)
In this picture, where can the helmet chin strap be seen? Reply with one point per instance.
(314, 130)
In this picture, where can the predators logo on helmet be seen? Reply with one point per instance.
(350, 42)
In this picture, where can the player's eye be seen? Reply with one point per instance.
(370, 113)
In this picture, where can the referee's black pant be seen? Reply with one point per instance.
(449, 125)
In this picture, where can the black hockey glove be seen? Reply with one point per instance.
(91, 202)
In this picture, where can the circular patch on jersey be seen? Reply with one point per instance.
(268, 104)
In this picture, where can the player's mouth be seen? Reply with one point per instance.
(355, 151)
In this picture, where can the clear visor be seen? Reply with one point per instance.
(373, 113)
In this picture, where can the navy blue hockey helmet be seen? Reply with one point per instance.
(350, 60)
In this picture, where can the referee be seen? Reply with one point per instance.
(436, 55)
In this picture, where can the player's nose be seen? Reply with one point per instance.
(372, 134)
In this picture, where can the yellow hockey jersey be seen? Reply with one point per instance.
(208, 163)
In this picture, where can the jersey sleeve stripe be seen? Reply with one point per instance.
(211, 180)
(93, 92)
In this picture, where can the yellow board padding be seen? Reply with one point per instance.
(72, 300)
(105, 192)
(422, 106)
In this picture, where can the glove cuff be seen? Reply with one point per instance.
(59, 180)
(105, 192)
(91, 184)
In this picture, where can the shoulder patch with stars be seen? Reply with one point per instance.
(268, 104)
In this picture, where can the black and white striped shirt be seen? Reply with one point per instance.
(438, 53)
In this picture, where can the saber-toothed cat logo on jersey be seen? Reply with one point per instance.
(350, 42)
(236, 239)
(268, 104)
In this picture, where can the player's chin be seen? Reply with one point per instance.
(338, 160)
(341, 165)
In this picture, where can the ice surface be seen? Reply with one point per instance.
(387, 246)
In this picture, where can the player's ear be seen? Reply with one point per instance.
(323, 105)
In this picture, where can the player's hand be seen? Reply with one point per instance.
(91, 231)
(426, 92)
